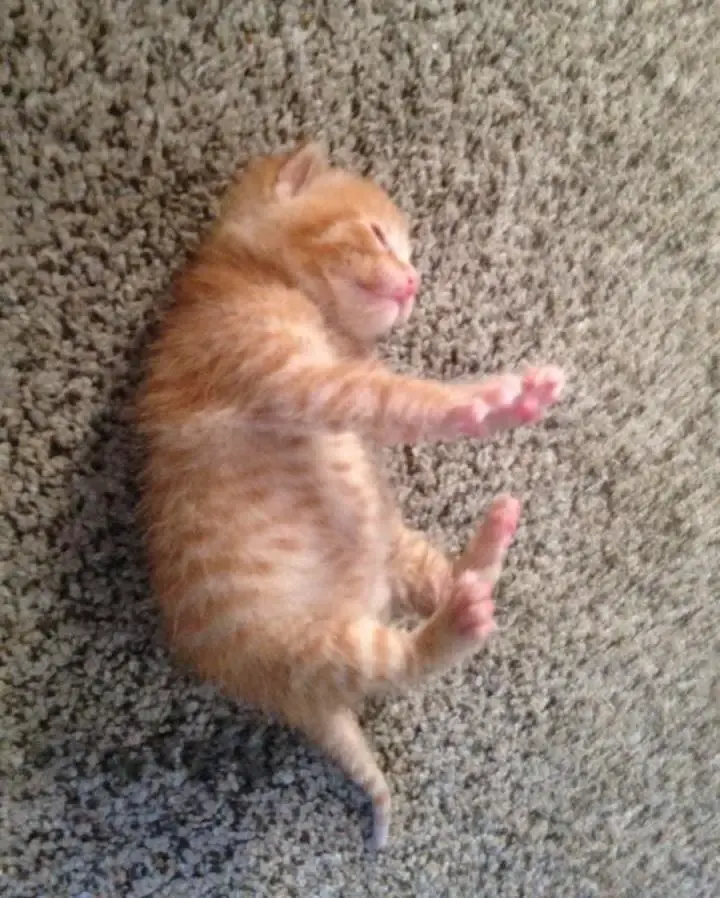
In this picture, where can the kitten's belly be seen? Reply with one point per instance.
(346, 521)
(348, 487)
(300, 527)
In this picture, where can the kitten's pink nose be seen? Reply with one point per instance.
(408, 288)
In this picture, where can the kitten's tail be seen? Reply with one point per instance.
(337, 731)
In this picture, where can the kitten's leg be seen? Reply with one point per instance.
(358, 657)
(362, 655)
(283, 391)
(367, 398)
(338, 732)
(421, 576)
(486, 551)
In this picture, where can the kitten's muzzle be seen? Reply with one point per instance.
(407, 288)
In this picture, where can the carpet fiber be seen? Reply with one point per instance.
(560, 161)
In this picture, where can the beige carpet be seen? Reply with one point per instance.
(562, 163)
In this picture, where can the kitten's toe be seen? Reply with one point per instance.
(542, 387)
(501, 522)
(544, 384)
(486, 551)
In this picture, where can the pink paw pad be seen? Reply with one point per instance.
(472, 607)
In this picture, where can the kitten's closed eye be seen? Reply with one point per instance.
(380, 235)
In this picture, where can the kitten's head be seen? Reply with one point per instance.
(341, 237)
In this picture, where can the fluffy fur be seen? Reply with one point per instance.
(277, 555)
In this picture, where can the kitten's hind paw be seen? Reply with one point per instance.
(501, 522)
(486, 551)
(470, 608)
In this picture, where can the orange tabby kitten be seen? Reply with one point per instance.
(276, 553)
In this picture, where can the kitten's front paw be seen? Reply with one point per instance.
(470, 609)
(478, 402)
(541, 388)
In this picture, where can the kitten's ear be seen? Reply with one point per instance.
(300, 169)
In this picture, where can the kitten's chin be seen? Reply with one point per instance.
(404, 311)
(394, 314)
(386, 314)
(367, 315)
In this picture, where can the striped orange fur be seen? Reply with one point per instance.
(276, 554)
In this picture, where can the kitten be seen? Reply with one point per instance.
(276, 553)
